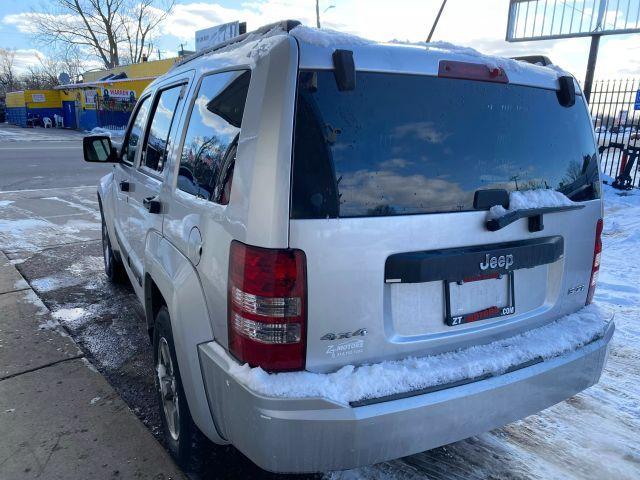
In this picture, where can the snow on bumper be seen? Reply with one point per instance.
(352, 384)
(288, 434)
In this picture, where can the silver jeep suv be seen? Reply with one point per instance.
(337, 242)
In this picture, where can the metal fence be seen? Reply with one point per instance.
(615, 108)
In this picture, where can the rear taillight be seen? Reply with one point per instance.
(267, 314)
(595, 268)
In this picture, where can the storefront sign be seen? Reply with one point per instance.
(90, 98)
(38, 98)
(118, 94)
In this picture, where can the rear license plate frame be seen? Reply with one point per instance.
(486, 314)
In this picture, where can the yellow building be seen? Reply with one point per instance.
(137, 70)
(32, 106)
(105, 98)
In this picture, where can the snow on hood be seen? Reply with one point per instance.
(523, 200)
(352, 383)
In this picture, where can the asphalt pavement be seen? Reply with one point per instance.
(35, 158)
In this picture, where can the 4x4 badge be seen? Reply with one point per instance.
(361, 332)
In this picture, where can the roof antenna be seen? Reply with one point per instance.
(435, 23)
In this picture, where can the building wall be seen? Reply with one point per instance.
(51, 99)
(137, 70)
(21, 105)
(15, 99)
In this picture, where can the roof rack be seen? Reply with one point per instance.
(535, 60)
(284, 25)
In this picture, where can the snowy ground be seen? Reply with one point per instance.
(12, 133)
(53, 237)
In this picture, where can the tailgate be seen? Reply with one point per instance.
(348, 289)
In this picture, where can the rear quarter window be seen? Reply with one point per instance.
(210, 144)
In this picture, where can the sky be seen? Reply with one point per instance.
(480, 24)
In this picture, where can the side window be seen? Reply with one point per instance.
(210, 144)
(157, 142)
(134, 138)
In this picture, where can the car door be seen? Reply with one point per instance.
(146, 205)
(122, 175)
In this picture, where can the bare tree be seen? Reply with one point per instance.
(103, 27)
(139, 21)
(8, 77)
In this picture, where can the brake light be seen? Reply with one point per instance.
(595, 268)
(471, 71)
(266, 311)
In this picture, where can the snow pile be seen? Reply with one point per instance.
(352, 383)
(327, 37)
(527, 199)
(110, 132)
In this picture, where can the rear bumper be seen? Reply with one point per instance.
(308, 435)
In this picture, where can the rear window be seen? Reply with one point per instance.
(408, 144)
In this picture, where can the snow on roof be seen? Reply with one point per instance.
(326, 37)
(315, 44)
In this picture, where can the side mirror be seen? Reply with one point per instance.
(98, 148)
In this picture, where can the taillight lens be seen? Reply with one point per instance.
(266, 312)
(597, 253)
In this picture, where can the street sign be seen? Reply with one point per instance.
(545, 19)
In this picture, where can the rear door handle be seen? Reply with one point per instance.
(152, 204)
(125, 186)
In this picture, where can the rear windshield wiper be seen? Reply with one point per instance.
(533, 214)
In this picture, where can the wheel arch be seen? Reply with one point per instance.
(171, 280)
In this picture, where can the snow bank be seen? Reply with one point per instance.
(110, 132)
(391, 377)
(327, 37)
(526, 199)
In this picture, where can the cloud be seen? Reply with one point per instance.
(394, 163)
(480, 25)
(26, 58)
(364, 190)
(425, 131)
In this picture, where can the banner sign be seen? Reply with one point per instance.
(118, 94)
(90, 98)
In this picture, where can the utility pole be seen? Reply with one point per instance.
(593, 53)
(318, 13)
(435, 23)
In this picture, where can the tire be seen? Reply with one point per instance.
(182, 437)
(113, 267)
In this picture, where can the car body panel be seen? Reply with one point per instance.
(185, 253)
(313, 434)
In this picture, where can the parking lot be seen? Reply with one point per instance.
(50, 229)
